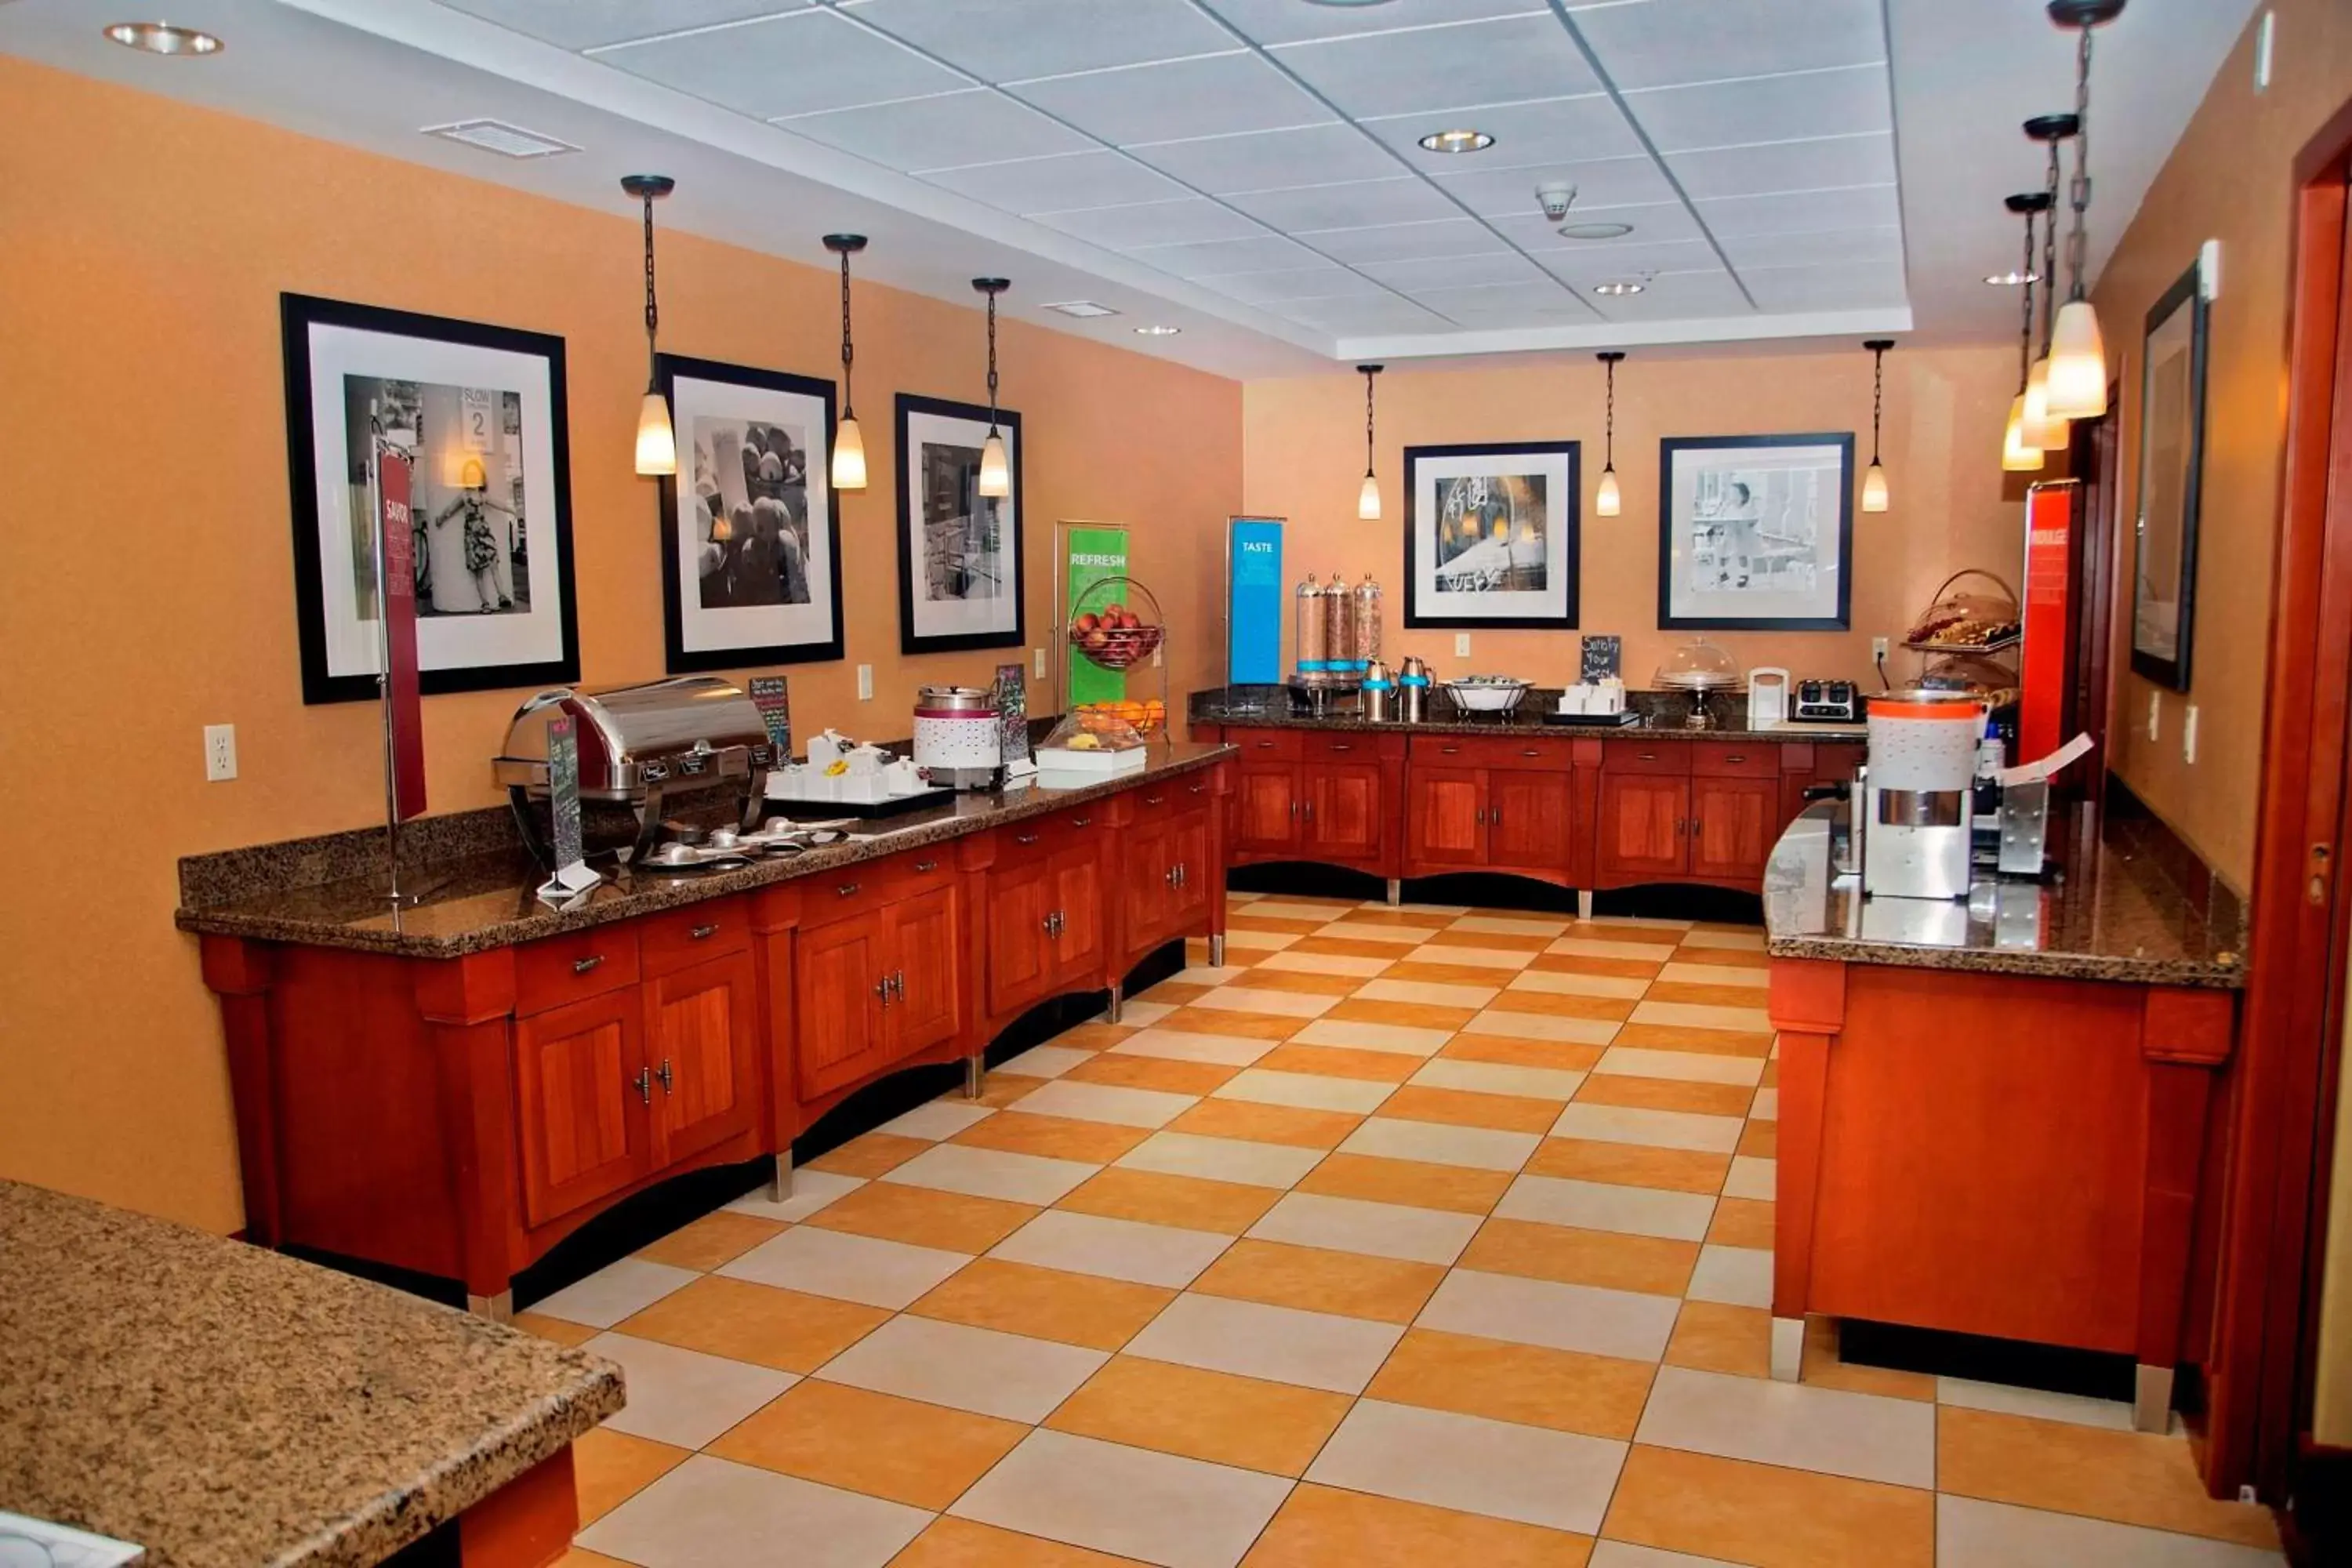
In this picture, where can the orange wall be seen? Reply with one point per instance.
(2229, 179)
(145, 581)
(1304, 453)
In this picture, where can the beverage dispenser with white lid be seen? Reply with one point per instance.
(1917, 810)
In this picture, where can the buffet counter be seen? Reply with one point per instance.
(1992, 1112)
(223, 1406)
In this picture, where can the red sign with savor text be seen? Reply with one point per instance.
(2046, 662)
(403, 712)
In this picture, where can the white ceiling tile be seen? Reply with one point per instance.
(1405, 241)
(1459, 271)
(1288, 21)
(1852, 287)
(1564, 129)
(584, 24)
(1268, 160)
(1765, 109)
(1666, 42)
(1804, 212)
(1678, 295)
(1211, 258)
(1433, 70)
(1817, 165)
(1065, 182)
(930, 132)
(1599, 182)
(1005, 41)
(796, 64)
(1653, 225)
(1325, 282)
(1546, 298)
(1404, 198)
(1180, 97)
(1347, 318)
(1585, 265)
(1183, 222)
(1823, 248)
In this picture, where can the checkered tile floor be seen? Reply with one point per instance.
(1408, 1236)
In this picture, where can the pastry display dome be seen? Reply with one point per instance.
(1697, 666)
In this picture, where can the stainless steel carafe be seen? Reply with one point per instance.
(1413, 690)
(1379, 689)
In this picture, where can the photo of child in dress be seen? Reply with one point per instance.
(751, 514)
(1756, 530)
(467, 505)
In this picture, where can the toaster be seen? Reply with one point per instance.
(1826, 702)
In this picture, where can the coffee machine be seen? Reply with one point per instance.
(1916, 806)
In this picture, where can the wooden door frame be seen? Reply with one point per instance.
(2257, 1403)
(2094, 458)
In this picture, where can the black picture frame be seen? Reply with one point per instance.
(2171, 671)
(677, 657)
(322, 684)
(905, 448)
(1569, 457)
(1670, 447)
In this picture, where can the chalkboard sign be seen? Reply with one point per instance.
(1603, 656)
(774, 703)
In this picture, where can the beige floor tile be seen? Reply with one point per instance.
(1338, 1061)
(1158, 1508)
(683, 1397)
(1033, 1180)
(1564, 1390)
(1665, 1094)
(1269, 975)
(950, 1542)
(1545, 926)
(869, 1155)
(1051, 1137)
(1752, 1178)
(1706, 1042)
(1493, 962)
(1310, 1091)
(1485, 1149)
(609, 1467)
(1633, 1164)
(1178, 1045)
(1121, 1107)
(1114, 1249)
(1766, 1106)
(1383, 1289)
(1044, 1303)
(1658, 932)
(937, 1118)
(1045, 1061)
(1693, 1016)
(1168, 1075)
(1498, 1078)
(1710, 994)
(1390, 944)
(1737, 1276)
(1863, 1437)
(1354, 1034)
(1268, 1027)
(708, 1242)
(1320, 1527)
(1643, 966)
(711, 1510)
(1293, 1125)
(1191, 1203)
(1402, 1015)
(1571, 983)
(757, 1323)
(1251, 941)
(1682, 970)
(1741, 1222)
(847, 1266)
(1731, 939)
(923, 1216)
(1249, 919)
(1769, 1515)
(1353, 1225)
(1275, 1165)
(1393, 937)
(1616, 947)
(2131, 1477)
(1608, 1205)
(1566, 1255)
(1425, 993)
(1282, 1345)
(1340, 963)
(878, 1444)
(1529, 1025)
(1974, 1534)
(1450, 1185)
(1656, 1129)
(1470, 1108)
(1200, 1414)
(1002, 1088)
(1530, 944)
(1697, 1067)
(554, 1329)
(1096, 1036)
(1265, 999)
(1563, 1005)
(1628, 1324)
(613, 1292)
(1499, 1468)
(2115, 1414)
(581, 1557)
(986, 1371)
(1560, 1056)
(1714, 1337)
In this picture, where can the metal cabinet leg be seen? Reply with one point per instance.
(1118, 1002)
(1787, 1348)
(1396, 891)
(1584, 903)
(498, 1309)
(779, 1181)
(975, 1074)
(2152, 1398)
(1217, 950)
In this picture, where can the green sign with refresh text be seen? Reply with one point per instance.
(1090, 554)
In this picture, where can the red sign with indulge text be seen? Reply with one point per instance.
(403, 712)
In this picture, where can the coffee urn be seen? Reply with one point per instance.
(1413, 690)
(1377, 689)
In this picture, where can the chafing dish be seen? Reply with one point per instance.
(644, 747)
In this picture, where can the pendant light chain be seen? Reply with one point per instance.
(652, 313)
(848, 402)
(1609, 459)
(2025, 348)
(2049, 252)
(992, 362)
(1368, 421)
(2078, 242)
(1877, 398)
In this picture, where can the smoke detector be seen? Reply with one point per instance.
(1556, 197)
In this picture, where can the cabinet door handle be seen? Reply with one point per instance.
(1294, 808)
(1343, 745)
(583, 965)
(1262, 745)
(1531, 752)
(882, 989)
(1025, 838)
(669, 1082)
(1183, 875)
(923, 866)
(1451, 751)
(1170, 878)
(1196, 789)
(1310, 811)
(1154, 799)
(703, 933)
(899, 983)
(1082, 822)
(1494, 816)
(646, 1085)
(1736, 757)
(1479, 816)
(1649, 756)
(846, 889)
(1047, 925)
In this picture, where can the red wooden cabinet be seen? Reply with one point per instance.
(1075, 876)
(922, 949)
(1345, 811)
(1528, 820)
(1642, 824)
(1446, 819)
(838, 1005)
(701, 1045)
(580, 1089)
(1733, 822)
(1018, 914)
(1269, 811)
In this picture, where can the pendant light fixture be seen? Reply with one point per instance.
(657, 443)
(2018, 453)
(1605, 498)
(1873, 480)
(1367, 500)
(2042, 428)
(2078, 352)
(849, 441)
(996, 477)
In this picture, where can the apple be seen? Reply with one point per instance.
(1087, 622)
(1112, 612)
(1098, 639)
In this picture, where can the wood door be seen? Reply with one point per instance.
(577, 1104)
(1641, 830)
(1733, 822)
(1343, 811)
(1144, 895)
(700, 1041)
(1267, 809)
(1445, 816)
(1527, 821)
(923, 940)
(1077, 901)
(1194, 879)
(1021, 955)
(838, 966)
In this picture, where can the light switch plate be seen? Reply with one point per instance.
(866, 683)
(2155, 713)
(2189, 735)
(1041, 662)
(220, 752)
(1461, 644)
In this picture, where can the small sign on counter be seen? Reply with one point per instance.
(770, 696)
(1603, 656)
(572, 875)
(1012, 721)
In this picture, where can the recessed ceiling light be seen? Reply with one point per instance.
(1085, 310)
(1157, 332)
(1619, 286)
(1595, 230)
(164, 39)
(2013, 279)
(1456, 142)
(498, 136)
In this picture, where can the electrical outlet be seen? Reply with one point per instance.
(1156, 660)
(1461, 644)
(1041, 662)
(866, 683)
(2266, 46)
(1878, 650)
(220, 752)
(2155, 713)
(2189, 735)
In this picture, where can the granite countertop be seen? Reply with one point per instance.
(1663, 714)
(479, 902)
(2109, 913)
(226, 1406)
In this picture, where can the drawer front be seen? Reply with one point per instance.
(670, 941)
(1646, 756)
(1350, 748)
(1735, 759)
(1265, 745)
(1186, 792)
(564, 969)
(869, 885)
(1536, 753)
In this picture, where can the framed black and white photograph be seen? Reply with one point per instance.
(478, 412)
(751, 544)
(959, 552)
(1756, 532)
(2171, 483)
(1490, 535)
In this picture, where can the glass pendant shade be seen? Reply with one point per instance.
(657, 446)
(1874, 489)
(2078, 363)
(1367, 500)
(1605, 499)
(2042, 428)
(995, 477)
(2015, 454)
(848, 456)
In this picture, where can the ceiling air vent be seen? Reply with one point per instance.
(1082, 308)
(498, 136)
